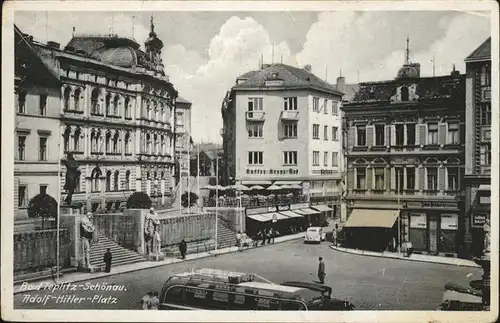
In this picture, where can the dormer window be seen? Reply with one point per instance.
(404, 93)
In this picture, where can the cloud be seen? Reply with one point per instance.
(236, 49)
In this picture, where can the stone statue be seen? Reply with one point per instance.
(87, 232)
(72, 175)
(150, 223)
(157, 243)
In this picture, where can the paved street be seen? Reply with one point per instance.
(370, 283)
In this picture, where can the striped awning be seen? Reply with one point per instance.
(306, 211)
(291, 214)
(321, 208)
(256, 182)
(484, 187)
(258, 217)
(287, 183)
(275, 215)
(366, 218)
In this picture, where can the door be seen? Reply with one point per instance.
(433, 236)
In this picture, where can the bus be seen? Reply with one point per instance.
(213, 289)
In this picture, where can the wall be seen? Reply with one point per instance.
(233, 217)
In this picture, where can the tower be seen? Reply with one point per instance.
(153, 47)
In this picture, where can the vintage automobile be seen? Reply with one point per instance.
(315, 234)
(329, 303)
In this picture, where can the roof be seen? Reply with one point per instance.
(427, 88)
(182, 100)
(350, 91)
(483, 52)
(289, 77)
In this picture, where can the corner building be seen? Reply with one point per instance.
(405, 157)
(282, 125)
(116, 118)
(478, 144)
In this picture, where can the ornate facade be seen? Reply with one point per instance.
(117, 111)
(405, 156)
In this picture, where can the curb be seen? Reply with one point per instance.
(153, 265)
(440, 262)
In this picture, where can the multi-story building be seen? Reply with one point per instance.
(183, 141)
(405, 157)
(37, 97)
(116, 112)
(478, 142)
(282, 125)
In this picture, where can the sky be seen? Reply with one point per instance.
(205, 51)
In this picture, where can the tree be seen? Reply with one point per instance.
(42, 206)
(193, 199)
(139, 200)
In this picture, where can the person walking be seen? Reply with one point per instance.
(154, 302)
(108, 257)
(334, 234)
(183, 248)
(321, 270)
(238, 240)
(146, 301)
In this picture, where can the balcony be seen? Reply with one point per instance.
(486, 133)
(255, 116)
(290, 115)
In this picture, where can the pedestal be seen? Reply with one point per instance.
(156, 257)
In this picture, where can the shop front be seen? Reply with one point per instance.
(480, 213)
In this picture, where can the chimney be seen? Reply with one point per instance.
(308, 68)
(53, 44)
(340, 84)
(454, 72)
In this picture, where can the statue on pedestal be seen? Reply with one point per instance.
(87, 232)
(150, 223)
(72, 176)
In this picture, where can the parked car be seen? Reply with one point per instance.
(315, 234)
(329, 303)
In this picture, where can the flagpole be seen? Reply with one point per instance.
(58, 212)
(189, 173)
(180, 181)
(216, 196)
(198, 175)
(241, 204)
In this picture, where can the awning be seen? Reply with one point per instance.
(321, 208)
(484, 187)
(291, 214)
(306, 211)
(256, 182)
(275, 215)
(258, 217)
(363, 218)
(287, 183)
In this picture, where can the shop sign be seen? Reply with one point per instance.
(258, 210)
(439, 205)
(283, 207)
(449, 221)
(418, 221)
(299, 206)
(413, 204)
(478, 220)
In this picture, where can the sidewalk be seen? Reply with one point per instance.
(413, 257)
(80, 276)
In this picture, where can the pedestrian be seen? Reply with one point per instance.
(146, 301)
(394, 244)
(154, 302)
(183, 248)
(107, 260)
(263, 236)
(409, 248)
(321, 271)
(238, 240)
(270, 235)
(334, 234)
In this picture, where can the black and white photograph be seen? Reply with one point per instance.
(271, 159)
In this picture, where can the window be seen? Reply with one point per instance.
(398, 178)
(432, 178)
(255, 104)
(21, 101)
(315, 158)
(325, 158)
(432, 132)
(361, 132)
(116, 106)
(43, 189)
(404, 93)
(290, 157)
(335, 108)
(486, 149)
(485, 112)
(126, 107)
(76, 97)
(66, 97)
(400, 134)
(335, 131)
(485, 75)
(116, 183)
(379, 135)
(290, 130)
(127, 180)
(453, 133)
(21, 147)
(108, 181)
(361, 178)
(290, 103)
(94, 102)
(115, 143)
(410, 134)
(379, 178)
(42, 149)
(325, 132)
(22, 195)
(315, 131)
(452, 178)
(42, 109)
(66, 138)
(108, 104)
(335, 159)
(255, 158)
(325, 107)
(255, 130)
(127, 139)
(410, 178)
(162, 141)
(76, 140)
(108, 142)
(315, 104)
(149, 146)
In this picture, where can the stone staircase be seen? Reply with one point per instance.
(121, 255)
(225, 236)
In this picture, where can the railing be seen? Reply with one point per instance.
(254, 201)
(289, 115)
(188, 227)
(35, 251)
(255, 115)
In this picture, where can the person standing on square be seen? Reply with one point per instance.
(321, 270)
(108, 257)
